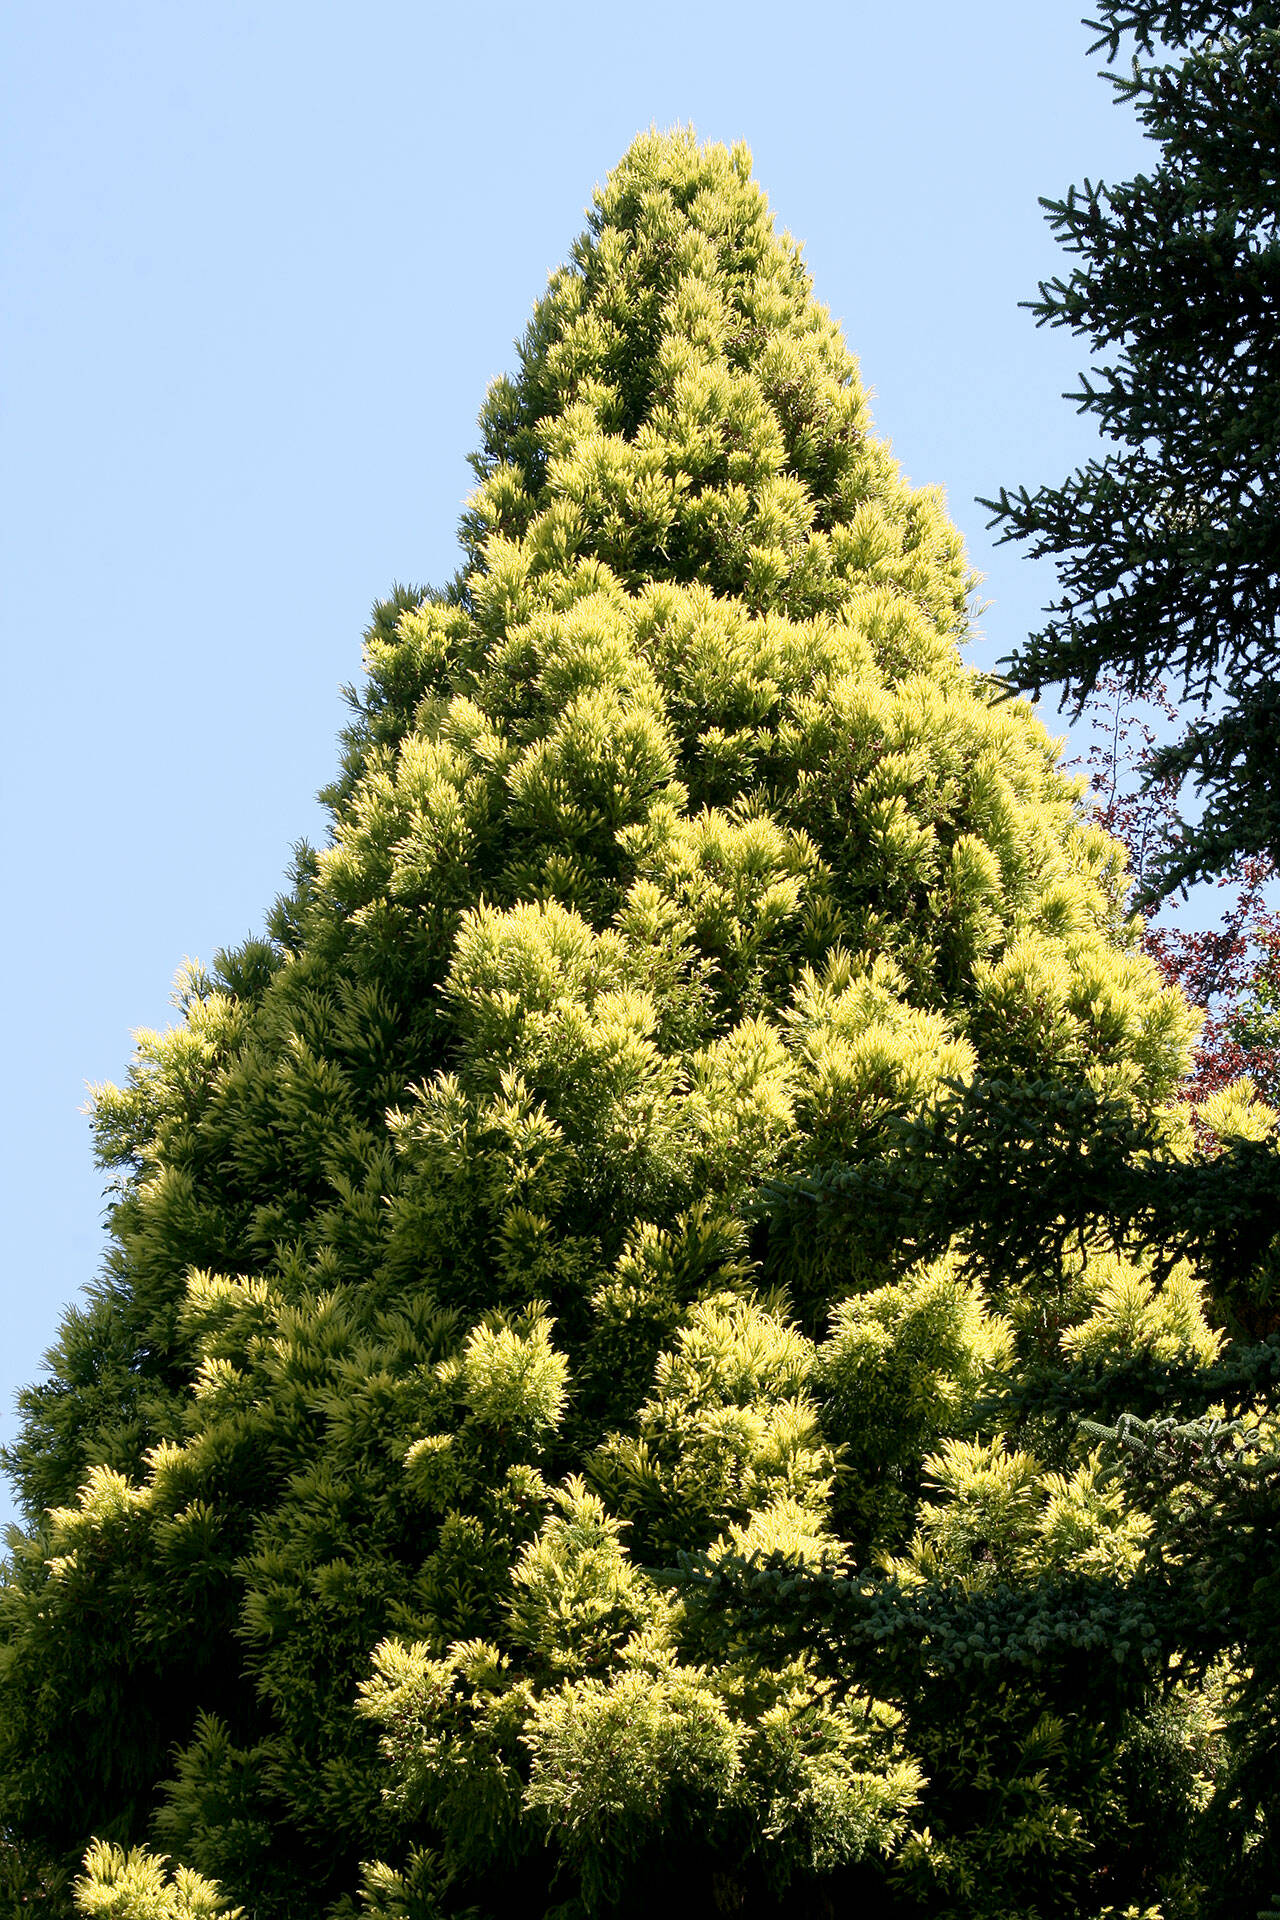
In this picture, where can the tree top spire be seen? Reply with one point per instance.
(684, 409)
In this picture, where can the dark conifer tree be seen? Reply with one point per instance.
(1168, 548)
(1169, 561)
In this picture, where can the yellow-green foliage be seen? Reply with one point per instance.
(904, 1364)
(117, 1885)
(728, 1431)
(1002, 1517)
(675, 851)
(1129, 1315)
(1234, 1112)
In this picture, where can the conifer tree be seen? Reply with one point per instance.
(1167, 565)
(410, 1501)
(1167, 547)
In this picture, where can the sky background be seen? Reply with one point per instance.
(260, 263)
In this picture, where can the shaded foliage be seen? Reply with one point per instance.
(1166, 548)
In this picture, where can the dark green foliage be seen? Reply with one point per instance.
(1167, 554)
(1167, 548)
(1020, 1174)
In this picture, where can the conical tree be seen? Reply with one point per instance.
(447, 1345)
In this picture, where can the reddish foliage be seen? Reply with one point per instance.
(1232, 971)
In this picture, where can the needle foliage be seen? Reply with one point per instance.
(1167, 546)
(498, 1473)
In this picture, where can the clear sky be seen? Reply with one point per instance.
(260, 262)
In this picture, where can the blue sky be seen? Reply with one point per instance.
(260, 263)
